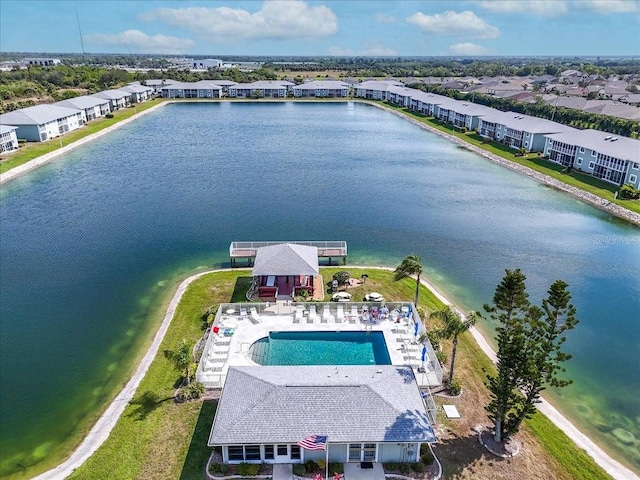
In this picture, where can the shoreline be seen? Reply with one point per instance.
(108, 420)
(582, 195)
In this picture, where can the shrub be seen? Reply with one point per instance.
(393, 467)
(404, 468)
(311, 467)
(453, 386)
(418, 467)
(629, 191)
(109, 115)
(22, 141)
(191, 392)
(342, 277)
(298, 469)
(219, 468)
(250, 469)
(336, 468)
(425, 454)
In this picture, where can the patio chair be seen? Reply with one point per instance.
(353, 316)
(243, 312)
(299, 316)
(340, 314)
(255, 317)
(313, 315)
(326, 314)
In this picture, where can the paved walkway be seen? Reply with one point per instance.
(282, 471)
(353, 471)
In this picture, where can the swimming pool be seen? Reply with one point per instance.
(321, 348)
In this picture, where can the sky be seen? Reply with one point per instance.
(324, 27)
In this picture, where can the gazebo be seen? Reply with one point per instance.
(282, 271)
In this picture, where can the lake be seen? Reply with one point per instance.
(93, 242)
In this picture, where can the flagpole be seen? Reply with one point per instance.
(327, 458)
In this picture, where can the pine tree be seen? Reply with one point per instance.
(510, 306)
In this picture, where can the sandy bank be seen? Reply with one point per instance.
(101, 430)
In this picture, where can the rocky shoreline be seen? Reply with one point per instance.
(586, 197)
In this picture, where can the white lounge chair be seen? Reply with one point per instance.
(353, 316)
(326, 314)
(340, 314)
(255, 317)
(299, 314)
(313, 315)
(243, 312)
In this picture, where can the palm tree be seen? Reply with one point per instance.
(453, 325)
(181, 358)
(411, 265)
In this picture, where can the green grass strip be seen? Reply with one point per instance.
(33, 150)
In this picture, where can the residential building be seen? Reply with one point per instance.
(139, 93)
(8, 138)
(117, 98)
(42, 122)
(374, 89)
(609, 157)
(518, 130)
(156, 84)
(91, 107)
(367, 413)
(322, 89)
(201, 89)
(262, 89)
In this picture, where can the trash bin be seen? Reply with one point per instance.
(364, 277)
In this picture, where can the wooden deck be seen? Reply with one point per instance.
(329, 251)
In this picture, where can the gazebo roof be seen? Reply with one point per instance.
(286, 259)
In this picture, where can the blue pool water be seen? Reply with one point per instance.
(321, 348)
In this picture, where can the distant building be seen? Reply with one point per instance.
(201, 89)
(42, 62)
(117, 98)
(139, 93)
(156, 84)
(261, 89)
(206, 64)
(8, 138)
(322, 89)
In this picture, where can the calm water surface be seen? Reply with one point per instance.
(91, 242)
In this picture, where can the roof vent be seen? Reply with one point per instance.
(608, 137)
(614, 139)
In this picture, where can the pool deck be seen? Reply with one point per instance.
(230, 348)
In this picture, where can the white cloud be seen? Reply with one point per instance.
(545, 8)
(140, 42)
(276, 20)
(464, 24)
(467, 49)
(609, 6)
(369, 50)
(384, 18)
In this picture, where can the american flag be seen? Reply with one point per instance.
(313, 442)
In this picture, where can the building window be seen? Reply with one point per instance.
(236, 453)
(252, 452)
(591, 164)
(268, 452)
(354, 452)
(581, 149)
(295, 452)
(579, 162)
(369, 452)
(632, 179)
(283, 450)
(635, 166)
(594, 153)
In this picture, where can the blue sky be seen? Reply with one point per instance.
(324, 27)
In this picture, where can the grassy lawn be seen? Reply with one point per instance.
(35, 149)
(157, 438)
(576, 179)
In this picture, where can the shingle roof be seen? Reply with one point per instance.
(7, 128)
(328, 84)
(85, 101)
(112, 94)
(37, 115)
(286, 259)
(526, 123)
(283, 404)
